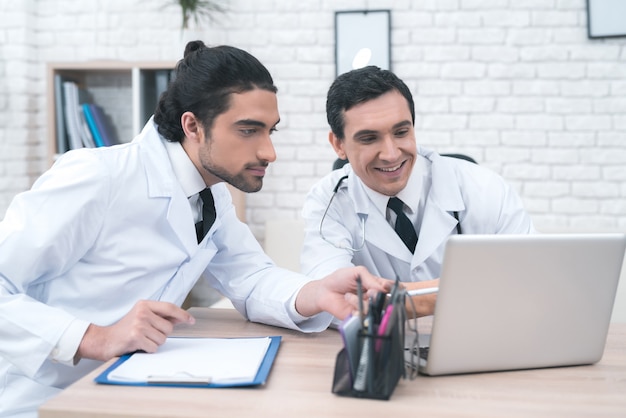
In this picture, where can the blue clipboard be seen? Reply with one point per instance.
(259, 379)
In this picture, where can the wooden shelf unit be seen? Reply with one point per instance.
(126, 92)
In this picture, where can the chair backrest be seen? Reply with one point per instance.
(461, 157)
(339, 163)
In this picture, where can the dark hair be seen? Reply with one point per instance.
(203, 82)
(359, 86)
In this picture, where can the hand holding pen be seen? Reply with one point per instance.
(423, 295)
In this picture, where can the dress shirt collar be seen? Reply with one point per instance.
(186, 173)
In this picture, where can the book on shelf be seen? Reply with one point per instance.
(104, 125)
(91, 123)
(86, 135)
(72, 115)
(85, 123)
(80, 122)
(62, 140)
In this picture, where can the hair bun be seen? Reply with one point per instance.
(193, 46)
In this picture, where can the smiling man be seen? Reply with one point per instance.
(392, 208)
(96, 259)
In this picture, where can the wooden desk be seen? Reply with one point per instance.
(300, 386)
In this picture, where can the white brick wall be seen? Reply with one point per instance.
(516, 84)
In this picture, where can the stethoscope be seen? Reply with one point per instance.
(362, 220)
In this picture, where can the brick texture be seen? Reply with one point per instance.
(516, 84)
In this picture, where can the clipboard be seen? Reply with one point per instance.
(201, 382)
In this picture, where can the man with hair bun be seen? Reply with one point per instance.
(97, 257)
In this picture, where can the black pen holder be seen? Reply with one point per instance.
(379, 368)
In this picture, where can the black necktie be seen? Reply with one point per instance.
(208, 214)
(404, 227)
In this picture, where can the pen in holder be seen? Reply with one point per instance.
(372, 360)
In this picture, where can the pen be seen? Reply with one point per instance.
(394, 291)
(371, 358)
(181, 378)
(360, 379)
(363, 377)
(379, 304)
(384, 329)
(168, 380)
(420, 292)
(359, 293)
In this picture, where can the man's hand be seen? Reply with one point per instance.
(336, 293)
(144, 328)
(425, 304)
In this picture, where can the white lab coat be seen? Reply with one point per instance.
(485, 204)
(101, 230)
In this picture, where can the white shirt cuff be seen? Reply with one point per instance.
(67, 346)
(294, 315)
(315, 323)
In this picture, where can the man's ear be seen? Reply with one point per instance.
(337, 145)
(191, 126)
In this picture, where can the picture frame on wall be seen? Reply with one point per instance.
(606, 18)
(362, 37)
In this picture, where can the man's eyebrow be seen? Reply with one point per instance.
(250, 122)
(402, 124)
(254, 122)
(364, 132)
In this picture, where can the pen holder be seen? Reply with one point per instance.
(379, 366)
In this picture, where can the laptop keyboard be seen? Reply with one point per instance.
(424, 352)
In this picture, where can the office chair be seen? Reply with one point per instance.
(340, 162)
(461, 157)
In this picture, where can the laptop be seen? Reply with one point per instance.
(510, 302)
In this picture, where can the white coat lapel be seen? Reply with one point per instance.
(443, 199)
(180, 218)
(162, 184)
(437, 224)
(378, 231)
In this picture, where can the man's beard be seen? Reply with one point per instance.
(239, 181)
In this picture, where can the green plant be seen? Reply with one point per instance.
(198, 10)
